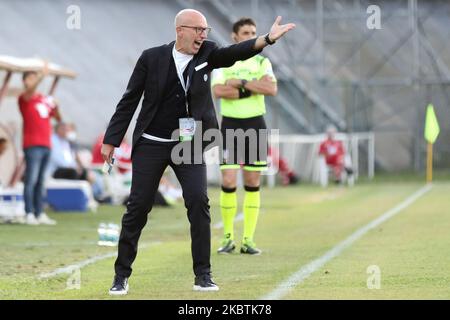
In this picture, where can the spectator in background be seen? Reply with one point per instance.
(37, 110)
(72, 136)
(333, 151)
(64, 163)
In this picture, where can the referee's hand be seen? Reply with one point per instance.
(107, 152)
(277, 30)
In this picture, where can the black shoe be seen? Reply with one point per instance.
(205, 283)
(119, 286)
(227, 247)
(250, 248)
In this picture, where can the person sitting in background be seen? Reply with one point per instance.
(333, 151)
(63, 160)
(72, 136)
(66, 164)
(83, 160)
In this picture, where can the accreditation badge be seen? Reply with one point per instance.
(187, 128)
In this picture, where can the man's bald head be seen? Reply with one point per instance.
(191, 29)
(188, 16)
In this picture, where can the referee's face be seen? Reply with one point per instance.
(246, 32)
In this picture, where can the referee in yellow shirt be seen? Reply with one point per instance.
(242, 88)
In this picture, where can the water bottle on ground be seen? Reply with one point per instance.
(113, 234)
(102, 235)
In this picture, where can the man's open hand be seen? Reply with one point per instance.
(278, 30)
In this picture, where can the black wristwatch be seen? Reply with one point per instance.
(243, 83)
(268, 41)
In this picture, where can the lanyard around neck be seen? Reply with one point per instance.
(186, 84)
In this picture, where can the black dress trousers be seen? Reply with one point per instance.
(150, 159)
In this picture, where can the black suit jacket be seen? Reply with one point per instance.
(150, 75)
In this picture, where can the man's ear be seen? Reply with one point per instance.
(178, 31)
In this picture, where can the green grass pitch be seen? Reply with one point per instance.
(296, 225)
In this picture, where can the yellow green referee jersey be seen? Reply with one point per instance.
(251, 69)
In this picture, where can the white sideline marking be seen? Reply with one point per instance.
(304, 272)
(48, 244)
(219, 225)
(69, 269)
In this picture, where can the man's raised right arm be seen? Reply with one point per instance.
(227, 56)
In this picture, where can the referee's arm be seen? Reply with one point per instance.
(266, 86)
(230, 90)
(223, 91)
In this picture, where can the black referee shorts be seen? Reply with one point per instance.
(245, 143)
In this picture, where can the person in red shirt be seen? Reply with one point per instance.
(333, 151)
(36, 110)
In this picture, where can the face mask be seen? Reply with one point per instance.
(72, 136)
